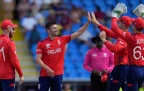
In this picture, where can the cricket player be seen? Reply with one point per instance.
(8, 59)
(50, 56)
(135, 45)
(118, 76)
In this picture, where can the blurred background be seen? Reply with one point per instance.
(32, 15)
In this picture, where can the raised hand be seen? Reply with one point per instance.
(94, 20)
(139, 11)
(102, 35)
(89, 17)
(119, 9)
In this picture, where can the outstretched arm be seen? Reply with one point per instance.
(82, 29)
(118, 10)
(109, 33)
(112, 47)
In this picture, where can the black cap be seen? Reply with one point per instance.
(96, 38)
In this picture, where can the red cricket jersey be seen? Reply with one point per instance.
(8, 59)
(119, 49)
(135, 44)
(53, 54)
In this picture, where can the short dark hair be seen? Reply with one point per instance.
(49, 24)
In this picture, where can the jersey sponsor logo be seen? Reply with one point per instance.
(54, 51)
(105, 55)
(47, 46)
(94, 54)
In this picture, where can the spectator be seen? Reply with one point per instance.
(100, 15)
(34, 8)
(99, 61)
(34, 37)
(52, 15)
(84, 38)
(28, 23)
(8, 6)
(66, 21)
(23, 8)
(67, 87)
(57, 7)
(38, 3)
(75, 14)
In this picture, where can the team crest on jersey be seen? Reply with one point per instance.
(47, 46)
(58, 42)
(105, 55)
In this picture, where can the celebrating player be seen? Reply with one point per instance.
(50, 56)
(135, 45)
(8, 58)
(119, 73)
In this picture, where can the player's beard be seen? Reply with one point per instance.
(11, 35)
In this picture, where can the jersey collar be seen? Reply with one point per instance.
(51, 39)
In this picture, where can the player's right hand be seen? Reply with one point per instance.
(119, 9)
(21, 80)
(50, 72)
(102, 35)
(94, 20)
(139, 11)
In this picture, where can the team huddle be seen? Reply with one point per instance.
(128, 72)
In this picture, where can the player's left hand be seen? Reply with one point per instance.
(119, 9)
(89, 17)
(139, 11)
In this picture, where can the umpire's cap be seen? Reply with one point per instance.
(96, 38)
